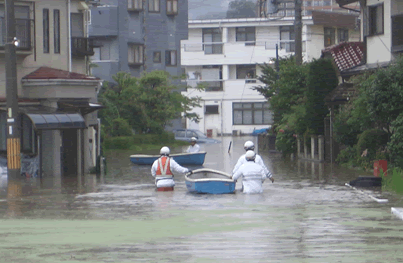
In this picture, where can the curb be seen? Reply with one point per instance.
(398, 212)
(370, 196)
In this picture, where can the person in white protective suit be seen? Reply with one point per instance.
(253, 175)
(164, 168)
(194, 147)
(249, 145)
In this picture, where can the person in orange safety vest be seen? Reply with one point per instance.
(164, 168)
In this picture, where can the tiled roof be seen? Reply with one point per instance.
(52, 73)
(347, 54)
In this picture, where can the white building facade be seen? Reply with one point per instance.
(225, 55)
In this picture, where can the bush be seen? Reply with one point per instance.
(395, 145)
(371, 140)
(120, 127)
(286, 143)
(118, 143)
(393, 181)
(347, 156)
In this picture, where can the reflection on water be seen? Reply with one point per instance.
(307, 215)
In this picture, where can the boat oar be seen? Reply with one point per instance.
(229, 147)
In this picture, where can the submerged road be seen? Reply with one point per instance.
(307, 215)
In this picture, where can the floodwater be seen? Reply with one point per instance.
(306, 215)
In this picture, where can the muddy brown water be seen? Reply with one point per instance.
(306, 215)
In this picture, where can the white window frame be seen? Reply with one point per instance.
(154, 6)
(135, 5)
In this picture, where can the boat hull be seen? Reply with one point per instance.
(181, 158)
(208, 181)
(165, 189)
(211, 187)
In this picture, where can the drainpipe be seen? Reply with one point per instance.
(69, 32)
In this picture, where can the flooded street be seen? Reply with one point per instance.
(306, 215)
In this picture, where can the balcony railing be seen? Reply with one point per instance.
(82, 46)
(23, 28)
(210, 85)
(397, 33)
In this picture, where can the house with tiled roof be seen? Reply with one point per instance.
(57, 99)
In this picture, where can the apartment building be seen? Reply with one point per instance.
(381, 33)
(136, 36)
(57, 99)
(225, 54)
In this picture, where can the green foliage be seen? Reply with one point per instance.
(286, 91)
(393, 181)
(321, 80)
(347, 156)
(345, 130)
(395, 145)
(147, 103)
(138, 140)
(241, 9)
(286, 143)
(120, 127)
(119, 143)
(371, 140)
(384, 92)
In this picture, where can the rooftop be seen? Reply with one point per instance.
(346, 55)
(52, 73)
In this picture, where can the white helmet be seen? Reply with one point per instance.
(193, 139)
(249, 145)
(250, 155)
(165, 151)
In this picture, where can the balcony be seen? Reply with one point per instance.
(210, 85)
(397, 33)
(23, 28)
(81, 47)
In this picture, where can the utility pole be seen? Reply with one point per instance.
(13, 131)
(298, 31)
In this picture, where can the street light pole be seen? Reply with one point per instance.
(277, 63)
(13, 131)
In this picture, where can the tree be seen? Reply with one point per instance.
(147, 103)
(322, 79)
(241, 9)
(285, 92)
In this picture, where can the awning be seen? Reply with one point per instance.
(57, 121)
(48, 118)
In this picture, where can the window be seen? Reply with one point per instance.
(245, 71)
(3, 131)
(211, 109)
(327, 3)
(45, 17)
(28, 136)
(329, 36)
(287, 38)
(306, 3)
(211, 35)
(251, 113)
(135, 5)
(246, 34)
(290, 5)
(316, 3)
(170, 57)
(157, 56)
(136, 54)
(154, 6)
(180, 134)
(375, 19)
(289, 12)
(172, 7)
(56, 30)
(342, 35)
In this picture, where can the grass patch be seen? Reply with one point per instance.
(142, 142)
(393, 181)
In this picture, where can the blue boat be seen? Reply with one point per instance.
(180, 158)
(209, 181)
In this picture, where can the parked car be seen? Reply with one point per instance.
(186, 134)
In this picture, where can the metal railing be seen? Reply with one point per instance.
(23, 28)
(210, 85)
(82, 46)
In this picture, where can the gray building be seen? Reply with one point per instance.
(138, 35)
